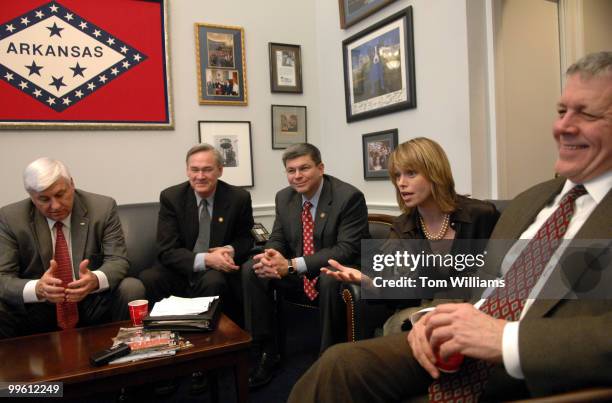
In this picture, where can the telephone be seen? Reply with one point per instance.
(260, 233)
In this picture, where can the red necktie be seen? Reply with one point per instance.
(507, 303)
(308, 242)
(67, 312)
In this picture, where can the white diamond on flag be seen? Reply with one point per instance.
(60, 54)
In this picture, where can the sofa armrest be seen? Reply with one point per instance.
(362, 316)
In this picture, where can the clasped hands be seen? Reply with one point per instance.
(50, 287)
(456, 328)
(270, 264)
(221, 259)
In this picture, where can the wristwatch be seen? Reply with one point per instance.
(290, 268)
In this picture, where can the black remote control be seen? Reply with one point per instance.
(106, 356)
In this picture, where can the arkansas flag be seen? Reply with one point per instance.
(84, 63)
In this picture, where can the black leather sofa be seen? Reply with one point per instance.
(139, 223)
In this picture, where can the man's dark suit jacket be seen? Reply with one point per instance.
(564, 343)
(341, 222)
(178, 225)
(26, 246)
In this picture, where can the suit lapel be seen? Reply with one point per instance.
(596, 227)
(40, 229)
(295, 222)
(218, 224)
(79, 223)
(322, 213)
(191, 220)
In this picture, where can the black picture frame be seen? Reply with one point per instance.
(353, 11)
(379, 76)
(289, 125)
(238, 156)
(377, 147)
(285, 68)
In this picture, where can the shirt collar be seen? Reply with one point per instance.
(598, 187)
(315, 199)
(65, 221)
(209, 199)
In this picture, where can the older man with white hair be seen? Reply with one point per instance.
(63, 259)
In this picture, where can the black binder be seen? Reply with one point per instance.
(203, 322)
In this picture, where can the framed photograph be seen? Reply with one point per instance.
(285, 68)
(288, 126)
(221, 65)
(377, 148)
(353, 11)
(379, 68)
(233, 140)
(84, 65)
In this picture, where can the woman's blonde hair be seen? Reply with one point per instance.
(427, 158)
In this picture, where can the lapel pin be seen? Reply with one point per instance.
(322, 215)
(220, 219)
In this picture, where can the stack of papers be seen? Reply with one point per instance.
(182, 306)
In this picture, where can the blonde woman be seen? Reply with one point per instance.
(432, 210)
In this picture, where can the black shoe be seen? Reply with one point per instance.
(264, 372)
(199, 383)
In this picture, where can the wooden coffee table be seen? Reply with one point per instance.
(64, 357)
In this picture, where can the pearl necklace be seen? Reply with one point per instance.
(441, 233)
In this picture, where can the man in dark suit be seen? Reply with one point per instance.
(93, 256)
(558, 337)
(203, 234)
(318, 218)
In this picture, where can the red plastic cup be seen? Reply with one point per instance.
(451, 364)
(138, 310)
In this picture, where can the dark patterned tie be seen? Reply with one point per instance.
(308, 242)
(507, 302)
(67, 312)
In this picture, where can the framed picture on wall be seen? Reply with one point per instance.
(379, 68)
(233, 140)
(221, 65)
(288, 126)
(285, 68)
(377, 148)
(84, 65)
(353, 11)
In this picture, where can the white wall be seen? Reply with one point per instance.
(442, 85)
(597, 27)
(133, 166)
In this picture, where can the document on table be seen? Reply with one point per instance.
(182, 306)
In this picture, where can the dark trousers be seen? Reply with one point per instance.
(375, 370)
(259, 307)
(161, 282)
(95, 308)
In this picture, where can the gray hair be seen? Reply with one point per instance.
(205, 147)
(592, 65)
(44, 172)
(300, 150)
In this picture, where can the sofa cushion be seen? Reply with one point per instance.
(139, 223)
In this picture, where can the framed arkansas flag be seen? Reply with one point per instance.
(84, 64)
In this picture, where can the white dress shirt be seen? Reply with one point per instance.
(29, 291)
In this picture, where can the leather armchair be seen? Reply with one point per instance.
(364, 317)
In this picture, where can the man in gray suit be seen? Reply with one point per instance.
(559, 338)
(318, 218)
(96, 254)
